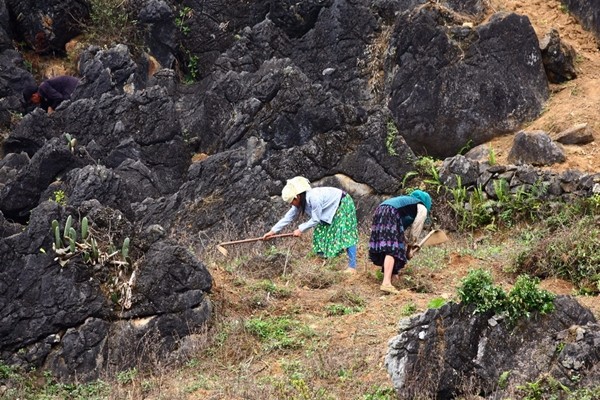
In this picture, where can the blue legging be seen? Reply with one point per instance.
(351, 256)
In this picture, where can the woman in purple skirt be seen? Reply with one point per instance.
(388, 243)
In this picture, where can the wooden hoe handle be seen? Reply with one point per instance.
(255, 239)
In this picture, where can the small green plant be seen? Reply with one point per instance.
(468, 146)
(436, 303)
(546, 387)
(380, 393)
(341, 309)
(407, 177)
(526, 297)
(6, 371)
(192, 68)
(427, 167)
(478, 288)
(87, 247)
(278, 332)
(390, 139)
(503, 380)
(127, 377)
(60, 197)
(492, 157)
(408, 309)
(181, 21)
(67, 244)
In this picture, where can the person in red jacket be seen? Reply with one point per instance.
(51, 92)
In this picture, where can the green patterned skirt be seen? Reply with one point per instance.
(329, 240)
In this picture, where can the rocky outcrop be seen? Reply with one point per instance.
(472, 174)
(81, 319)
(453, 84)
(446, 352)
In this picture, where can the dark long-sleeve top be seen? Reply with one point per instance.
(56, 90)
(412, 213)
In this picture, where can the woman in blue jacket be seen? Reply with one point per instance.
(388, 242)
(332, 214)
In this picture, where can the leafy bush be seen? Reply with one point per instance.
(525, 297)
(473, 208)
(478, 288)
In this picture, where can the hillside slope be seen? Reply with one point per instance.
(344, 322)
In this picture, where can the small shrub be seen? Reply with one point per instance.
(111, 22)
(571, 252)
(525, 297)
(478, 288)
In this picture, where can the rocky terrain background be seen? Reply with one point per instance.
(198, 134)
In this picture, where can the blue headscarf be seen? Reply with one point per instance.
(424, 198)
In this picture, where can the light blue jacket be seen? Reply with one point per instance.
(321, 205)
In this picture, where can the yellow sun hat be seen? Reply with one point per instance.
(294, 187)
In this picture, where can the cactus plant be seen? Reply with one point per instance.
(68, 225)
(66, 246)
(84, 228)
(72, 239)
(95, 252)
(125, 249)
(56, 233)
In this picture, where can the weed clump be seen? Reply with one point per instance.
(570, 252)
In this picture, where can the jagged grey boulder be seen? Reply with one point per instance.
(578, 134)
(452, 85)
(450, 351)
(535, 148)
(558, 57)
